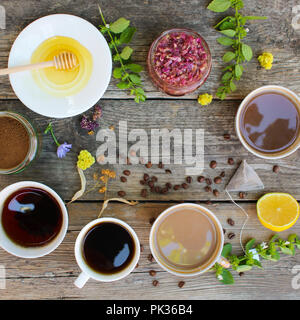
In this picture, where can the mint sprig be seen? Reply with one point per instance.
(268, 251)
(120, 33)
(233, 32)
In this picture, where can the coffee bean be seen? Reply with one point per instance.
(213, 164)
(169, 185)
(276, 169)
(144, 193)
(148, 164)
(160, 165)
(208, 181)
(200, 179)
(137, 265)
(208, 189)
(150, 183)
(152, 189)
(222, 174)
(154, 179)
(155, 283)
(128, 161)
(227, 136)
(230, 222)
(146, 177)
(188, 179)
(208, 202)
(241, 274)
(231, 235)
(123, 179)
(142, 182)
(216, 192)
(141, 247)
(152, 273)
(242, 195)
(164, 190)
(217, 180)
(168, 171)
(126, 172)
(121, 193)
(150, 257)
(224, 230)
(181, 284)
(177, 187)
(230, 161)
(185, 186)
(157, 189)
(151, 220)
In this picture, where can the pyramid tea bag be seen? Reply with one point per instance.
(244, 179)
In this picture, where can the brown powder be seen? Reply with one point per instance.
(14, 142)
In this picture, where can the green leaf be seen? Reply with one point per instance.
(228, 56)
(292, 238)
(286, 250)
(255, 18)
(247, 52)
(135, 78)
(126, 53)
(134, 67)
(232, 86)
(227, 277)
(119, 26)
(225, 41)
(227, 76)
(226, 250)
(257, 263)
(250, 244)
(243, 268)
(123, 85)
(229, 32)
(238, 71)
(219, 5)
(116, 58)
(117, 73)
(127, 35)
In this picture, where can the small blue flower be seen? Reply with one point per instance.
(63, 149)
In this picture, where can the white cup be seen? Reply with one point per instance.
(216, 256)
(87, 271)
(31, 252)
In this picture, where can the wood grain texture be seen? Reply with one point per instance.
(151, 17)
(52, 276)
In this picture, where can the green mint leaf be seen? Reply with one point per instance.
(135, 78)
(257, 263)
(127, 35)
(219, 5)
(286, 250)
(247, 52)
(227, 277)
(226, 250)
(255, 18)
(117, 73)
(232, 86)
(225, 41)
(123, 85)
(119, 26)
(229, 32)
(228, 56)
(243, 268)
(227, 76)
(238, 71)
(134, 67)
(250, 244)
(292, 238)
(126, 53)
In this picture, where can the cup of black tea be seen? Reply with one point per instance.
(268, 122)
(106, 249)
(34, 219)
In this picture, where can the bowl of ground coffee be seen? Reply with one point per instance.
(18, 142)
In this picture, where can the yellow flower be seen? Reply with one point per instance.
(85, 160)
(112, 174)
(266, 60)
(105, 172)
(205, 99)
(102, 190)
(103, 179)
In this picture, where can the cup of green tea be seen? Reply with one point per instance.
(187, 240)
(106, 249)
(268, 122)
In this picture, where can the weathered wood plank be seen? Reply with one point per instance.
(52, 276)
(215, 120)
(152, 17)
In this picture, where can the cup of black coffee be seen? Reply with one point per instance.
(34, 219)
(106, 249)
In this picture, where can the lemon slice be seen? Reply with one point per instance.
(277, 211)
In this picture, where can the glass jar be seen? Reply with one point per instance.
(181, 70)
(33, 142)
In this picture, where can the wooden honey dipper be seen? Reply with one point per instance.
(64, 61)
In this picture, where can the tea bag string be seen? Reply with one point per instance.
(247, 217)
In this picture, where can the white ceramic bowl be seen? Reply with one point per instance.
(37, 32)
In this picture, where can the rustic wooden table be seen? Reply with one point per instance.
(52, 276)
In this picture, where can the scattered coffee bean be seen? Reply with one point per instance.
(144, 193)
(126, 172)
(121, 193)
(185, 186)
(208, 181)
(241, 274)
(160, 165)
(155, 283)
(208, 189)
(154, 179)
(216, 192)
(146, 177)
(208, 202)
(213, 164)
(157, 189)
(188, 179)
(150, 183)
(168, 171)
(242, 195)
(227, 136)
(230, 161)
(230, 222)
(148, 164)
(128, 161)
(152, 189)
(177, 187)
(217, 180)
(276, 169)
(141, 247)
(150, 257)
(231, 235)
(152, 273)
(181, 284)
(142, 182)
(200, 179)
(123, 179)
(164, 190)
(151, 220)
(169, 185)
(222, 174)
(224, 230)
(137, 265)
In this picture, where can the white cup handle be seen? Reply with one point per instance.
(81, 280)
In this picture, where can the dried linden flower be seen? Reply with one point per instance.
(85, 160)
(205, 99)
(266, 60)
(102, 190)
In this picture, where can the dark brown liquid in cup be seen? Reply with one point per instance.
(108, 248)
(270, 122)
(31, 217)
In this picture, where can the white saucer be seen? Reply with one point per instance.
(31, 37)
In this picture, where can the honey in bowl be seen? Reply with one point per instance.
(62, 82)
